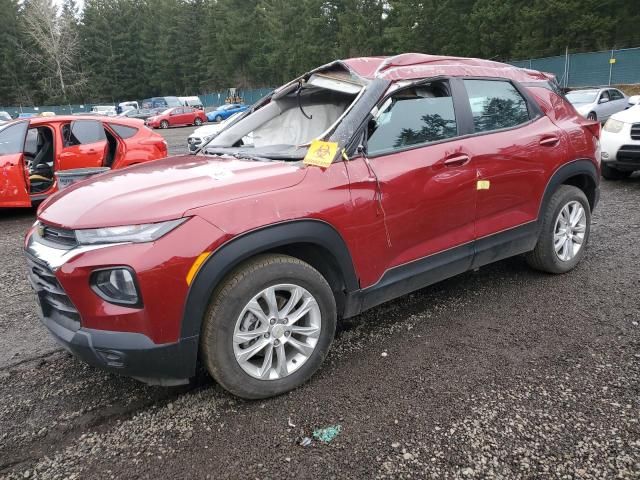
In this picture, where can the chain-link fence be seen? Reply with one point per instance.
(610, 67)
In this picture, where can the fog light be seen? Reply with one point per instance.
(605, 156)
(117, 286)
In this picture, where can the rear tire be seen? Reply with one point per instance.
(557, 239)
(592, 116)
(218, 118)
(197, 122)
(611, 173)
(164, 124)
(239, 318)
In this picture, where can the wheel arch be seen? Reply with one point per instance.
(313, 241)
(582, 174)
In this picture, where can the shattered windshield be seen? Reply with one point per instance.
(284, 127)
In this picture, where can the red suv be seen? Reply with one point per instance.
(357, 183)
(173, 117)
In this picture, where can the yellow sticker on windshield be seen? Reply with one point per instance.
(321, 154)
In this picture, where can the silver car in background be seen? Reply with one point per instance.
(598, 103)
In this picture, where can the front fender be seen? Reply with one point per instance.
(247, 245)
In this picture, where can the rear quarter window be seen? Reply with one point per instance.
(123, 131)
(496, 105)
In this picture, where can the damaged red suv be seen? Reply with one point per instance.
(356, 183)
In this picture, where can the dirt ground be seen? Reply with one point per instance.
(502, 373)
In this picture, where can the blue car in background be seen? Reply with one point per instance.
(225, 111)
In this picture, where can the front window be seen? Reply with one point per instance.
(12, 137)
(412, 117)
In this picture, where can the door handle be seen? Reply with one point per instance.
(549, 141)
(457, 160)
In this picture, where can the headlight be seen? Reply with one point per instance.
(117, 285)
(613, 126)
(147, 232)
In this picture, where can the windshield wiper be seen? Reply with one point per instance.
(238, 155)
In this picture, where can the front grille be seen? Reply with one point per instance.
(635, 131)
(629, 154)
(60, 236)
(54, 302)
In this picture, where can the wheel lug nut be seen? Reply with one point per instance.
(266, 335)
(285, 321)
(272, 321)
(287, 333)
(276, 343)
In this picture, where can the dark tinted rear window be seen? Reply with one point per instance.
(123, 131)
(496, 104)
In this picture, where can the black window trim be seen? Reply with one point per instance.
(461, 105)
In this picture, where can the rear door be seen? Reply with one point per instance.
(84, 144)
(618, 101)
(14, 181)
(515, 148)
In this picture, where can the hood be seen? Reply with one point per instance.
(630, 115)
(164, 189)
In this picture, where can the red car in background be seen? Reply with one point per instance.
(32, 150)
(172, 117)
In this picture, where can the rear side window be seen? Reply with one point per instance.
(123, 131)
(82, 132)
(12, 138)
(495, 104)
(412, 117)
(615, 95)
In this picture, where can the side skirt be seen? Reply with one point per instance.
(426, 271)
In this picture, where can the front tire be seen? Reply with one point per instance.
(164, 124)
(592, 116)
(218, 118)
(197, 122)
(566, 225)
(611, 173)
(268, 327)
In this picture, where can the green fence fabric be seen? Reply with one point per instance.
(610, 67)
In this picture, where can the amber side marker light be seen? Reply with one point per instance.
(196, 266)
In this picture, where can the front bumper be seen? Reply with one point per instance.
(140, 342)
(620, 150)
(130, 354)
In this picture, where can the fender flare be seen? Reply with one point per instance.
(577, 167)
(238, 249)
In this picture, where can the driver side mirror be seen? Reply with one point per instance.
(603, 100)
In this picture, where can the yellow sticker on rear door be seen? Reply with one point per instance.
(321, 154)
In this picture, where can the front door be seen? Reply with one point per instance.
(425, 203)
(84, 144)
(14, 181)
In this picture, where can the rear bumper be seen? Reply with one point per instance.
(130, 354)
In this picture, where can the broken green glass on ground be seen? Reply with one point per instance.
(327, 434)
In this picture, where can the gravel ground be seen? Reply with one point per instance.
(500, 373)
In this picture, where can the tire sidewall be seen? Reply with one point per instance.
(560, 199)
(223, 365)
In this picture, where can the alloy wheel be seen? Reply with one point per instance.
(277, 331)
(569, 231)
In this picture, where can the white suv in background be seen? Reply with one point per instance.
(620, 142)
